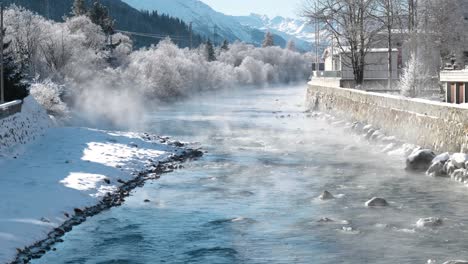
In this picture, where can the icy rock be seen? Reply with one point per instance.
(436, 170)
(370, 133)
(326, 195)
(459, 160)
(444, 157)
(459, 175)
(456, 262)
(389, 148)
(429, 222)
(376, 202)
(377, 135)
(367, 128)
(449, 168)
(420, 160)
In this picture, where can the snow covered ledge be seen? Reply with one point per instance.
(23, 127)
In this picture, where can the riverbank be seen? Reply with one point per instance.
(70, 174)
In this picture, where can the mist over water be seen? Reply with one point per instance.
(253, 197)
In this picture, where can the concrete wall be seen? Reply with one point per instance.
(438, 126)
(23, 127)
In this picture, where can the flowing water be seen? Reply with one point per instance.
(252, 198)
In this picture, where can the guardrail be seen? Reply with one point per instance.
(10, 108)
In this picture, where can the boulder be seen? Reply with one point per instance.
(436, 170)
(369, 133)
(429, 222)
(326, 195)
(420, 160)
(443, 158)
(456, 262)
(376, 202)
(449, 168)
(325, 220)
(459, 175)
(459, 160)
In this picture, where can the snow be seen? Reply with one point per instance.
(65, 169)
(21, 128)
(204, 18)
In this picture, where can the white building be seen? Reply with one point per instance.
(339, 72)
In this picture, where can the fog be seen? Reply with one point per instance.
(72, 71)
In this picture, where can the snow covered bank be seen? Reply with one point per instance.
(22, 128)
(67, 171)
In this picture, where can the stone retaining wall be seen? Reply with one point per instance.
(438, 126)
(23, 127)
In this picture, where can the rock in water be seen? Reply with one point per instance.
(459, 160)
(444, 157)
(326, 195)
(449, 168)
(436, 170)
(456, 262)
(376, 202)
(420, 160)
(325, 220)
(429, 222)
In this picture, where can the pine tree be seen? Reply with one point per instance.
(268, 41)
(291, 45)
(210, 51)
(15, 85)
(225, 45)
(79, 8)
(99, 14)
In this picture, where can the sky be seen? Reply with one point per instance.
(286, 8)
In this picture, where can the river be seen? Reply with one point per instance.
(253, 197)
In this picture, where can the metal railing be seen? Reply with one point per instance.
(10, 108)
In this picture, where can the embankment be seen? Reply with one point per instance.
(23, 127)
(438, 126)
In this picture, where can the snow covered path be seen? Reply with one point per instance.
(68, 168)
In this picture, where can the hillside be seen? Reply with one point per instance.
(127, 19)
(207, 21)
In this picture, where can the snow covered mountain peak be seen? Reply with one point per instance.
(209, 22)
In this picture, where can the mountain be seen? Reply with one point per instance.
(127, 19)
(208, 22)
(298, 30)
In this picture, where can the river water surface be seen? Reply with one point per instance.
(252, 197)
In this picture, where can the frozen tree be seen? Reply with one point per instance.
(291, 45)
(79, 8)
(268, 41)
(48, 94)
(210, 53)
(415, 77)
(352, 24)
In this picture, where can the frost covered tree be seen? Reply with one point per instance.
(268, 41)
(79, 8)
(415, 77)
(291, 45)
(210, 52)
